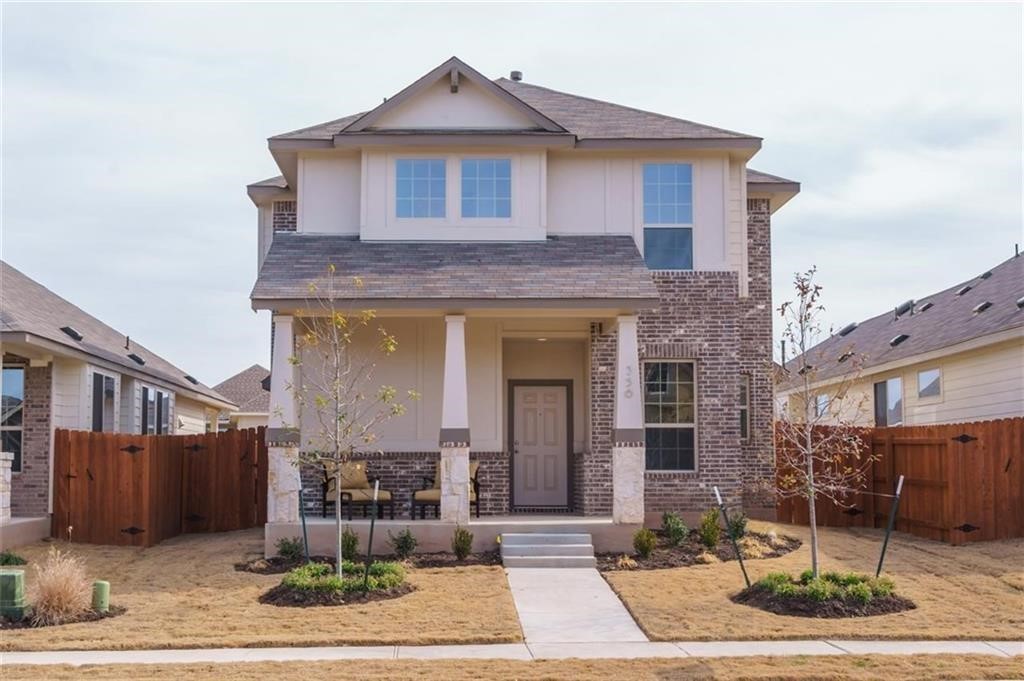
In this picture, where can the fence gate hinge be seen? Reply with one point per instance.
(194, 518)
(854, 511)
(132, 449)
(133, 530)
(193, 448)
(963, 438)
(967, 527)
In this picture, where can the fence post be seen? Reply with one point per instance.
(892, 520)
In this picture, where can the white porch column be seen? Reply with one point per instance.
(282, 429)
(454, 438)
(628, 460)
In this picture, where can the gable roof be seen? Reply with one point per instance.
(951, 318)
(28, 307)
(246, 390)
(594, 270)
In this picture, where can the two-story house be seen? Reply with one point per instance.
(580, 292)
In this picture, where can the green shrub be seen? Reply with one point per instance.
(773, 580)
(859, 592)
(881, 586)
(710, 532)
(844, 578)
(806, 576)
(403, 544)
(674, 528)
(349, 544)
(738, 525)
(820, 590)
(462, 542)
(290, 549)
(644, 542)
(322, 577)
(11, 558)
(787, 590)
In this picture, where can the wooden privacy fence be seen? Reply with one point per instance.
(963, 482)
(138, 490)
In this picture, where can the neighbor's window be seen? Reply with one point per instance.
(744, 407)
(821, 403)
(668, 216)
(420, 188)
(929, 383)
(155, 411)
(486, 188)
(103, 397)
(12, 419)
(670, 415)
(889, 402)
(164, 412)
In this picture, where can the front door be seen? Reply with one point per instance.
(540, 445)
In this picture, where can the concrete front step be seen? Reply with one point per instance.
(549, 561)
(547, 550)
(534, 538)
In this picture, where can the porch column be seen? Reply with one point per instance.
(282, 429)
(454, 438)
(628, 460)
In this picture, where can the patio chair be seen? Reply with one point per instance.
(430, 495)
(356, 490)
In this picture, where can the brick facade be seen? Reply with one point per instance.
(284, 216)
(30, 487)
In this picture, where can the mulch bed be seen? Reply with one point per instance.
(691, 552)
(287, 597)
(91, 616)
(445, 559)
(800, 606)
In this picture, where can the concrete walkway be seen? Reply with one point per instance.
(519, 651)
(570, 605)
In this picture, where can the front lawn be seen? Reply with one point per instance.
(186, 593)
(966, 592)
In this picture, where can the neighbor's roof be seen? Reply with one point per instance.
(246, 390)
(581, 268)
(940, 320)
(28, 307)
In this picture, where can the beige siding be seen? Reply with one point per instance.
(68, 393)
(977, 385)
(188, 417)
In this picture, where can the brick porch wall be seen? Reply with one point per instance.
(402, 473)
(30, 487)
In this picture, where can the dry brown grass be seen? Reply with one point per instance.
(966, 592)
(881, 668)
(185, 593)
(60, 591)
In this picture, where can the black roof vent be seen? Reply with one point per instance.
(848, 328)
(905, 307)
(898, 339)
(985, 275)
(963, 289)
(804, 369)
(981, 307)
(191, 379)
(135, 358)
(926, 306)
(73, 332)
(845, 356)
(1020, 302)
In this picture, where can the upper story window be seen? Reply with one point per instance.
(12, 420)
(420, 188)
(486, 188)
(889, 402)
(668, 216)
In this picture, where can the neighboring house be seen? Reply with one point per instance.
(250, 390)
(953, 356)
(580, 292)
(63, 368)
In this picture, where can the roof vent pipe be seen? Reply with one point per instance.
(516, 76)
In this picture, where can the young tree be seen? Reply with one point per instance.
(336, 354)
(820, 452)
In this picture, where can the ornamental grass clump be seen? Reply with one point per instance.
(462, 543)
(710, 531)
(644, 542)
(349, 544)
(62, 592)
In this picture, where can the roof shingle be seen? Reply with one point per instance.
(246, 390)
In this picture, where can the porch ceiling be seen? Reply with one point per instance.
(591, 272)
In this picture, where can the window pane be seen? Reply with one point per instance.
(669, 248)
(894, 401)
(165, 421)
(880, 416)
(97, 403)
(669, 449)
(10, 441)
(108, 404)
(487, 188)
(13, 396)
(668, 194)
(420, 188)
(928, 383)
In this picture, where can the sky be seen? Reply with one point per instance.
(129, 133)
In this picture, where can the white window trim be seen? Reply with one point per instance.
(90, 390)
(453, 193)
(930, 399)
(21, 428)
(638, 173)
(693, 425)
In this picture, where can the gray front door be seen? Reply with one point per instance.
(540, 445)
